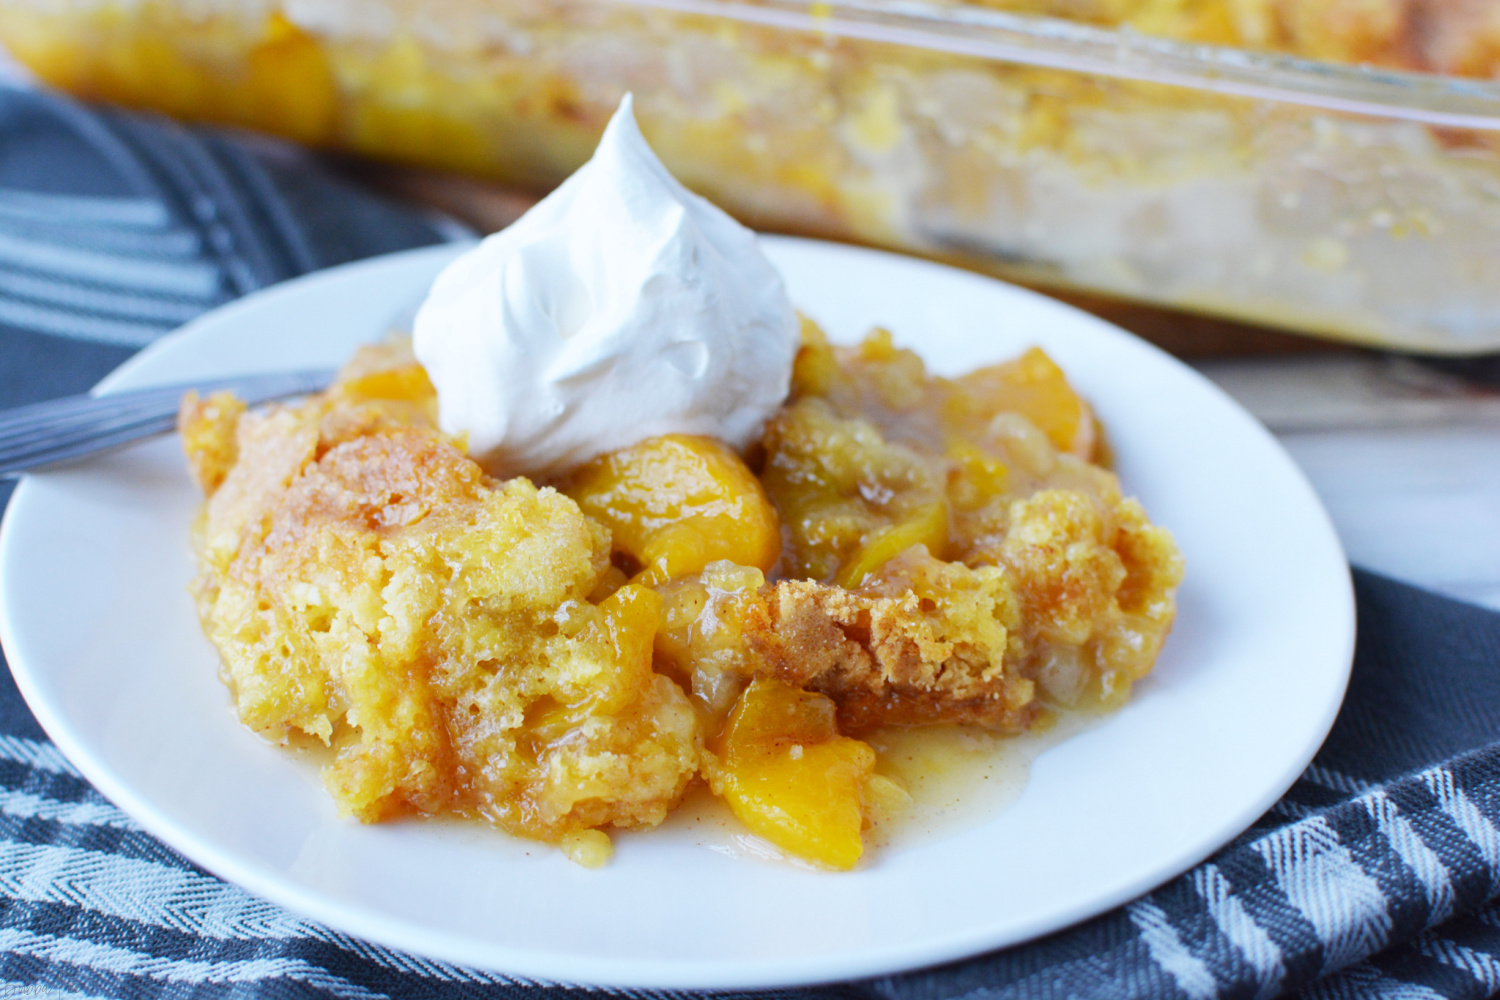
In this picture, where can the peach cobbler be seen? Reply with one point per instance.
(560, 658)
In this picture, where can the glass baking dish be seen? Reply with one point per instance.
(1356, 204)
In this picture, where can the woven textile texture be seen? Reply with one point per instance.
(1377, 875)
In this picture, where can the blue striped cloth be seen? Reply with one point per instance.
(1377, 875)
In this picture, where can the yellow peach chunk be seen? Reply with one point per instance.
(816, 367)
(408, 383)
(790, 777)
(630, 618)
(674, 504)
(927, 525)
(288, 86)
(851, 498)
(1033, 386)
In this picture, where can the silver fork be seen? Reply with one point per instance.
(60, 430)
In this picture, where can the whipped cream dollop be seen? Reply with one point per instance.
(622, 306)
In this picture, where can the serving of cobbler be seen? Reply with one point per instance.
(561, 658)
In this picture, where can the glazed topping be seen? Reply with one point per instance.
(621, 307)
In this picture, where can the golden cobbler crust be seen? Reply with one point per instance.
(366, 586)
(964, 557)
(926, 643)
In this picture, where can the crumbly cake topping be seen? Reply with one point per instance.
(433, 626)
(898, 550)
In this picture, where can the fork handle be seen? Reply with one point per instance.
(60, 430)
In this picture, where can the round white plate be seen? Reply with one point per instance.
(103, 641)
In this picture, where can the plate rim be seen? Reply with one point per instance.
(561, 967)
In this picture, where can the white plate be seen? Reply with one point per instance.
(104, 644)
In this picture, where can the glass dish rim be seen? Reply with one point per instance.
(1053, 43)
